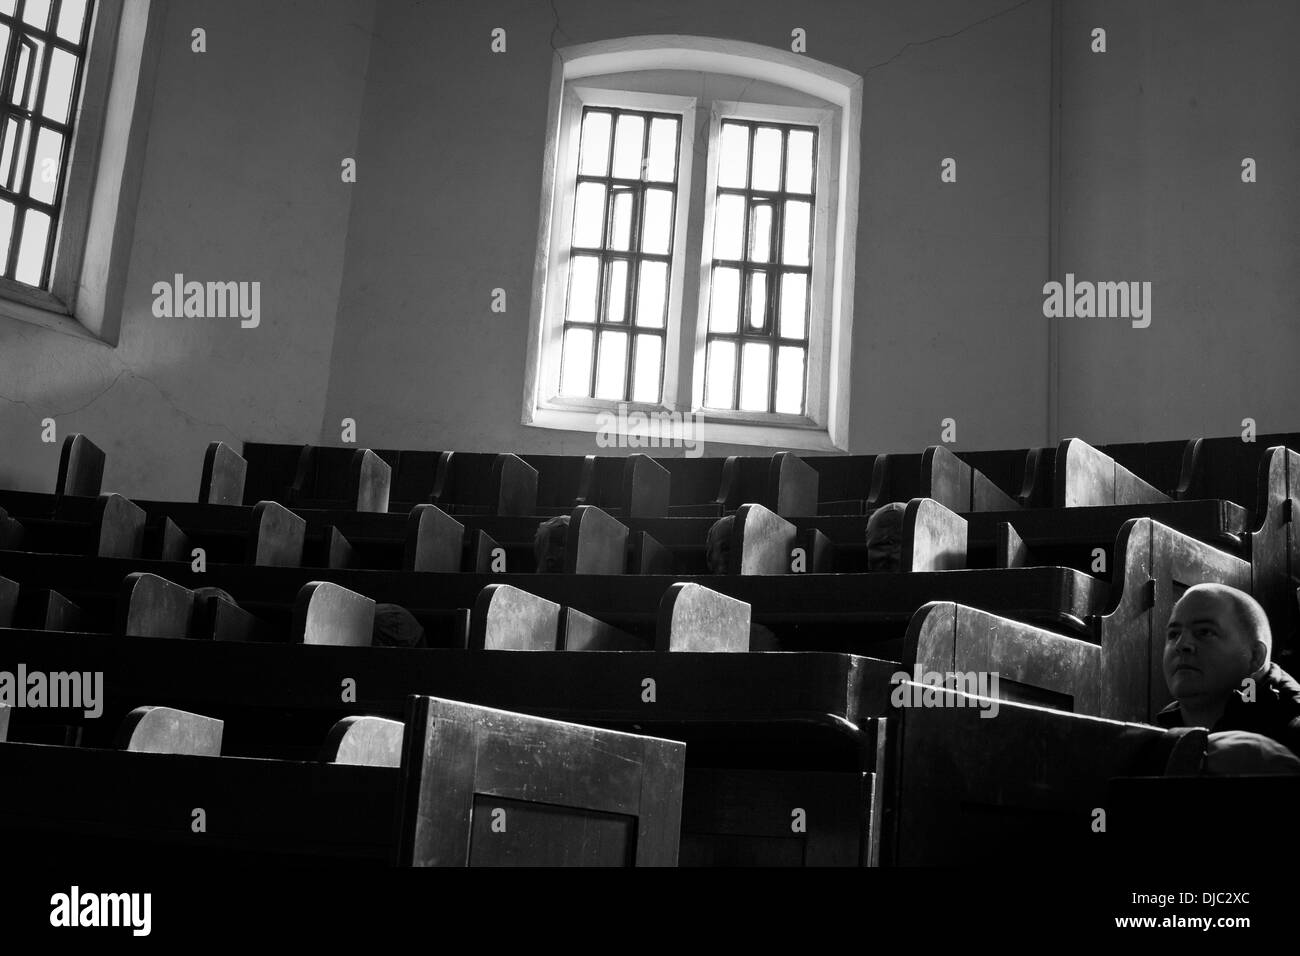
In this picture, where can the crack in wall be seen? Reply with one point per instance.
(946, 36)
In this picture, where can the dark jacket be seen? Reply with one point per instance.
(1275, 711)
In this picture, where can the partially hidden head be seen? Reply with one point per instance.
(717, 546)
(549, 543)
(395, 626)
(885, 537)
(1217, 637)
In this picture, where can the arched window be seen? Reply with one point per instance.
(696, 246)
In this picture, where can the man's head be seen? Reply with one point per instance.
(548, 544)
(717, 546)
(1217, 637)
(885, 537)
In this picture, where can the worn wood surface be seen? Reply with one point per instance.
(582, 632)
(596, 543)
(152, 606)
(647, 488)
(514, 484)
(507, 618)
(224, 471)
(277, 536)
(695, 618)
(435, 540)
(325, 613)
(792, 486)
(370, 481)
(761, 542)
(365, 742)
(934, 537)
(166, 730)
(81, 467)
(121, 528)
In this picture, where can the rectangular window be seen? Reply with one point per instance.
(42, 56)
(758, 330)
(624, 210)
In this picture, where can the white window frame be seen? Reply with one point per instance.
(819, 292)
(575, 100)
(825, 427)
(97, 224)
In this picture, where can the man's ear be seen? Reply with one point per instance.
(1258, 657)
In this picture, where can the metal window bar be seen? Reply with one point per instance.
(29, 122)
(634, 256)
(768, 331)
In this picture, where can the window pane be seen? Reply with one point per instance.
(58, 89)
(21, 144)
(31, 254)
(12, 140)
(575, 370)
(662, 165)
(582, 289)
(4, 44)
(794, 304)
(729, 214)
(620, 227)
(658, 228)
(767, 158)
(45, 175)
(8, 6)
(726, 300)
(720, 375)
(6, 231)
(757, 300)
(611, 370)
(652, 292)
(789, 381)
(760, 232)
(628, 137)
(795, 245)
(733, 156)
(799, 161)
(589, 215)
(754, 373)
(594, 154)
(37, 13)
(20, 78)
(617, 291)
(645, 379)
(71, 15)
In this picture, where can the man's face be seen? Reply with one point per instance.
(552, 561)
(885, 540)
(719, 547)
(1207, 653)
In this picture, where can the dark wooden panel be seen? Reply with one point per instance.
(224, 474)
(81, 467)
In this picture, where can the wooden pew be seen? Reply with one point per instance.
(961, 788)
(939, 474)
(461, 766)
(484, 484)
(224, 474)
(1086, 478)
(81, 468)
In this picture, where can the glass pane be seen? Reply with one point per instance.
(589, 215)
(71, 15)
(8, 6)
(58, 89)
(760, 232)
(582, 289)
(620, 228)
(733, 156)
(575, 370)
(720, 375)
(726, 300)
(628, 137)
(795, 244)
(662, 165)
(651, 295)
(45, 175)
(31, 253)
(6, 231)
(729, 212)
(754, 373)
(20, 78)
(4, 44)
(611, 367)
(794, 304)
(757, 300)
(37, 13)
(645, 378)
(616, 291)
(799, 161)
(658, 230)
(20, 157)
(789, 381)
(767, 158)
(594, 155)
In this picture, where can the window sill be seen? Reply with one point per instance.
(48, 314)
(639, 430)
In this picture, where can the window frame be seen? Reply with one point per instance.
(826, 427)
(93, 243)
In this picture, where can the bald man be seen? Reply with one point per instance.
(1218, 637)
(885, 537)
